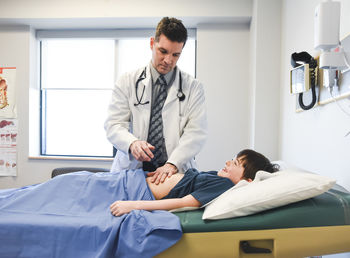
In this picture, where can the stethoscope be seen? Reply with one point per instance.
(142, 76)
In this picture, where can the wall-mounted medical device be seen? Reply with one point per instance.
(332, 58)
(300, 79)
(303, 77)
(327, 15)
(326, 37)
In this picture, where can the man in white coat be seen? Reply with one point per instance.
(157, 115)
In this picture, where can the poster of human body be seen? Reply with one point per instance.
(7, 92)
(8, 122)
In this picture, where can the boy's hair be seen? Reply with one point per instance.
(253, 161)
(173, 29)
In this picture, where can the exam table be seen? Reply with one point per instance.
(316, 226)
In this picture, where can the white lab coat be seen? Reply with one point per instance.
(184, 122)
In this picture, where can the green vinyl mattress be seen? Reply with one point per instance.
(331, 208)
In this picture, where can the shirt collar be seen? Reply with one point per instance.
(168, 77)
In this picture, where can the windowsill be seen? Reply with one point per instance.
(69, 158)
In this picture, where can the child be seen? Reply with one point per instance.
(194, 189)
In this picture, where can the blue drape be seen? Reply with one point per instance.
(68, 216)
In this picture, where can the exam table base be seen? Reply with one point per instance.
(284, 243)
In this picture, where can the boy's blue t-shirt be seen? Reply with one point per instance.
(204, 186)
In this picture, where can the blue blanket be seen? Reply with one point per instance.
(68, 216)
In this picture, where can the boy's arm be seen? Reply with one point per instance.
(119, 208)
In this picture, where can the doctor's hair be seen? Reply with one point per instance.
(253, 161)
(173, 29)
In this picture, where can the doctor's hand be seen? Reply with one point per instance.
(162, 173)
(142, 150)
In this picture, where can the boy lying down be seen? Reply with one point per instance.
(194, 189)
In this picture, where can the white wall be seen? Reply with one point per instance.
(265, 47)
(120, 13)
(121, 8)
(314, 139)
(222, 66)
(235, 64)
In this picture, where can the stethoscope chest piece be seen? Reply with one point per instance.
(181, 95)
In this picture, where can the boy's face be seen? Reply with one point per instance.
(165, 54)
(233, 170)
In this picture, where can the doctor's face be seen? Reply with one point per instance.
(165, 54)
(233, 170)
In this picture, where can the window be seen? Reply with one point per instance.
(77, 77)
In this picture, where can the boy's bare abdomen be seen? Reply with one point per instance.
(162, 189)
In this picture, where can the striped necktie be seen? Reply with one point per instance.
(155, 133)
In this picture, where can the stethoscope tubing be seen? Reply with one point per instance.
(181, 96)
(141, 77)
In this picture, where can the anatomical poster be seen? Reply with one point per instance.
(8, 147)
(7, 92)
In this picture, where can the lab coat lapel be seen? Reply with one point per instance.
(172, 93)
(147, 83)
(171, 118)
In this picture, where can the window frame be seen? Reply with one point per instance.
(115, 34)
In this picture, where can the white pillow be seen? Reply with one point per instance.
(267, 191)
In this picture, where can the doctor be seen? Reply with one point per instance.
(157, 116)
